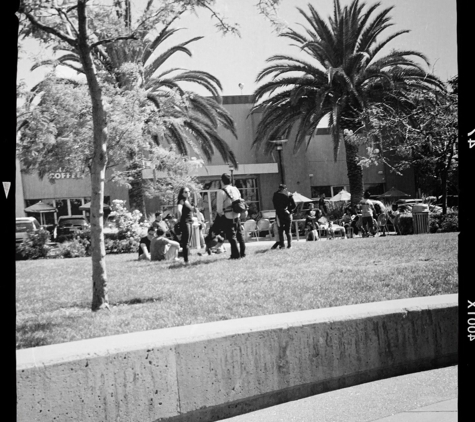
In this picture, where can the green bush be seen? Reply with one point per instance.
(443, 223)
(73, 249)
(34, 246)
(128, 245)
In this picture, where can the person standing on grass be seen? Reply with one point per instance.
(200, 218)
(144, 244)
(284, 205)
(367, 213)
(185, 215)
(322, 205)
(163, 249)
(231, 222)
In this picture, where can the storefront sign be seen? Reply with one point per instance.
(65, 175)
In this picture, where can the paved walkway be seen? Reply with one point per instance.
(429, 396)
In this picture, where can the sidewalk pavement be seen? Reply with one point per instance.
(428, 396)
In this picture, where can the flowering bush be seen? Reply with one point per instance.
(130, 228)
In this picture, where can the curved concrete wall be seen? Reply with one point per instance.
(211, 371)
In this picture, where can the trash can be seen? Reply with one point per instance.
(420, 218)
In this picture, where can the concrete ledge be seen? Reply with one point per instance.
(211, 371)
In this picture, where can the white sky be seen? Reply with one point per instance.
(236, 60)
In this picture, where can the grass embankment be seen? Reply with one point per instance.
(53, 296)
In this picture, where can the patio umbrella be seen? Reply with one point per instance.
(343, 195)
(300, 198)
(87, 207)
(394, 193)
(40, 207)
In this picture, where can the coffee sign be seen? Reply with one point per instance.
(65, 175)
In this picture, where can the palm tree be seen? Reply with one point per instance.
(189, 120)
(340, 77)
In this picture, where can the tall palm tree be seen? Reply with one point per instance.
(190, 120)
(341, 75)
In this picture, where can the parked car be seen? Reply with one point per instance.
(23, 226)
(68, 225)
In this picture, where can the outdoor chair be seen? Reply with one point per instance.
(250, 229)
(263, 225)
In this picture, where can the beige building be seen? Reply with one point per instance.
(309, 171)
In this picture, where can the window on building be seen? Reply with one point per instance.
(62, 207)
(318, 190)
(75, 204)
(337, 189)
(375, 189)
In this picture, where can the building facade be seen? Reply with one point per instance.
(310, 171)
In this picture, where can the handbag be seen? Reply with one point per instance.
(238, 206)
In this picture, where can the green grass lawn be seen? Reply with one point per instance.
(53, 296)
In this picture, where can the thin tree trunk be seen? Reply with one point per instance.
(355, 172)
(98, 168)
(444, 190)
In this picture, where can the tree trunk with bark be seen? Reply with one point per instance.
(355, 172)
(98, 168)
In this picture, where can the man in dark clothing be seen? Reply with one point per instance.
(144, 244)
(322, 205)
(284, 205)
(160, 223)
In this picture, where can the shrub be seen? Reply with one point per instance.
(128, 245)
(34, 246)
(73, 249)
(443, 223)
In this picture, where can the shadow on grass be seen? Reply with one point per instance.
(265, 250)
(137, 301)
(201, 261)
(33, 334)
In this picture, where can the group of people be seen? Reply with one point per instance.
(366, 217)
(170, 239)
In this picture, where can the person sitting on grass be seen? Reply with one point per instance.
(214, 241)
(311, 232)
(144, 244)
(163, 249)
(215, 244)
(159, 222)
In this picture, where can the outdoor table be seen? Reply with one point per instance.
(297, 227)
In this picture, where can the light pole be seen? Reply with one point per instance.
(278, 146)
(231, 170)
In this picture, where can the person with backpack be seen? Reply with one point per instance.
(230, 205)
(284, 205)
